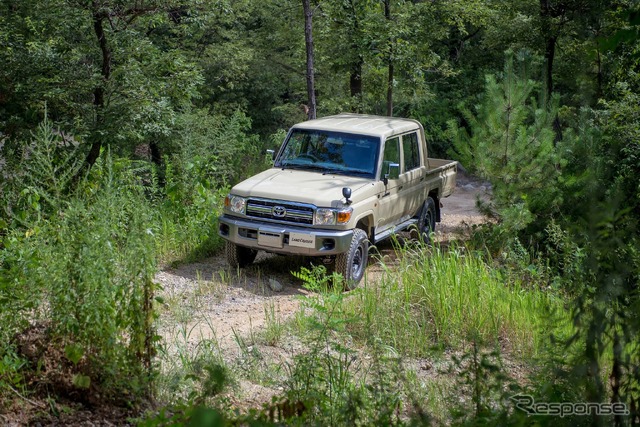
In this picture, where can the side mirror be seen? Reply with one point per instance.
(271, 152)
(346, 193)
(392, 173)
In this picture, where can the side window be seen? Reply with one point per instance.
(411, 151)
(391, 154)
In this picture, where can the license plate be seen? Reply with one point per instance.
(266, 238)
(302, 240)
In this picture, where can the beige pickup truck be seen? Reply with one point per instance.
(338, 183)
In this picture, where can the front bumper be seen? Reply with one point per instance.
(283, 239)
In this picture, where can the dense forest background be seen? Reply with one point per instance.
(123, 123)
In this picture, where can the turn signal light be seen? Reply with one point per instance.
(344, 216)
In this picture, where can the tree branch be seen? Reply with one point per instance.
(36, 404)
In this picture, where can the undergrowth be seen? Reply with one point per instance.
(439, 299)
(358, 364)
(78, 284)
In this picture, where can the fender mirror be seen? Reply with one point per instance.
(346, 193)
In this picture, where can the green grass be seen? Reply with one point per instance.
(430, 300)
(274, 325)
(438, 298)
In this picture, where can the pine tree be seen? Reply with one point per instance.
(509, 140)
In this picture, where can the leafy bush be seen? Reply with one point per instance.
(209, 153)
(87, 274)
(211, 150)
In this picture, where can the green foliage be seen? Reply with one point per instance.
(316, 279)
(92, 267)
(326, 380)
(438, 298)
(606, 302)
(197, 81)
(481, 375)
(447, 298)
(11, 367)
(332, 382)
(510, 142)
(191, 376)
(621, 126)
(209, 153)
(42, 179)
(50, 168)
(54, 54)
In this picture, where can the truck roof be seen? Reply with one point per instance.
(362, 124)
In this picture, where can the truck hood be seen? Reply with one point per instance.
(301, 186)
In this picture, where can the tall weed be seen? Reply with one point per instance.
(447, 298)
(85, 272)
(331, 383)
(37, 179)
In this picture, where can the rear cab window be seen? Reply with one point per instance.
(411, 151)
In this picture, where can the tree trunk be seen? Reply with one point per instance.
(549, 55)
(156, 155)
(390, 90)
(387, 15)
(355, 82)
(308, 38)
(355, 71)
(551, 38)
(599, 77)
(98, 92)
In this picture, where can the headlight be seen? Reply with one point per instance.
(326, 216)
(235, 204)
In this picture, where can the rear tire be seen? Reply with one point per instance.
(353, 263)
(239, 256)
(427, 220)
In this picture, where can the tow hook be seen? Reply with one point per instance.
(327, 260)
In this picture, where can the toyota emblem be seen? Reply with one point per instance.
(279, 211)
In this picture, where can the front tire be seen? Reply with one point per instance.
(239, 256)
(353, 263)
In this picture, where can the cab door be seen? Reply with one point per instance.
(389, 211)
(413, 174)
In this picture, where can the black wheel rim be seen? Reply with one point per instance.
(356, 265)
(428, 220)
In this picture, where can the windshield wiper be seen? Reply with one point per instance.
(291, 166)
(303, 167)
(325, 170)
(333, 171)
(345, 172)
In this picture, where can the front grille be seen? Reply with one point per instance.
(285, 211)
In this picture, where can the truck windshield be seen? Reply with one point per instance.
(330, 152)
